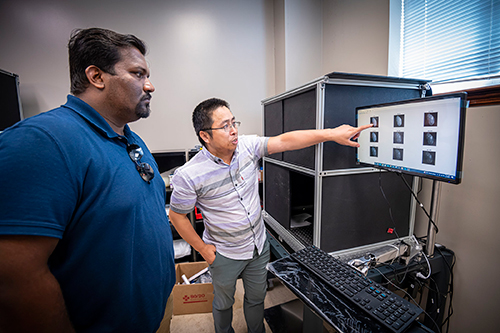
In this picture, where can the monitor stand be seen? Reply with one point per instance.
(431, 230)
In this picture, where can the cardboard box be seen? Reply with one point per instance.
(192, 298)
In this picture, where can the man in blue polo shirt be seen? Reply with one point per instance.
(85, 243)
(222, 181)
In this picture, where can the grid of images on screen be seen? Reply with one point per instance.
(429, 137)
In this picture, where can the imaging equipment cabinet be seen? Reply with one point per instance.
(319, 195)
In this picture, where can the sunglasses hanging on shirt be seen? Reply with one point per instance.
(135, 153)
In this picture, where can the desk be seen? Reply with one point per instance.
(322, 303)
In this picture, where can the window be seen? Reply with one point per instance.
(456, 44)
(450, 40)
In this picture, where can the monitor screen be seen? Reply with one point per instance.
(10, 112)
(422, 137)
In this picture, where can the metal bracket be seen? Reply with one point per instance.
(423, 89)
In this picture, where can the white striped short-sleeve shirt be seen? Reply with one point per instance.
(227, 195)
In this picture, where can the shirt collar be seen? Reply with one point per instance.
(219, 160)
(93, 117)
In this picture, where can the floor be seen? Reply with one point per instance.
(203, 322)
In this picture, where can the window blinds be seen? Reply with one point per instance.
(450, 40)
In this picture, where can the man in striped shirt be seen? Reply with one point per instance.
(221, 180)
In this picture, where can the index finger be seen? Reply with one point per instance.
(362, 128)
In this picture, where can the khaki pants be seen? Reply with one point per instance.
(167, 318)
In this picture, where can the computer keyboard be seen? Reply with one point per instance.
(390, 310)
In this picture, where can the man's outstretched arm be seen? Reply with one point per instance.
(294, 140)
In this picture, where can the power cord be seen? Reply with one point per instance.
(420, 275)
(422, 284)
(419, 203)
(388, 203)
(449, 291)
(412, 299)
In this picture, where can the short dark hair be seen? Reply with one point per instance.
(99, 47)
(202, 115)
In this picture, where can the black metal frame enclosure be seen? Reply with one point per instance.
(349, 206)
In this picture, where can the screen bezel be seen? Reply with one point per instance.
(461, 136)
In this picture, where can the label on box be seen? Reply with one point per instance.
(194, 298)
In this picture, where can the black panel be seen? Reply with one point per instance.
(288, 193)
(277, 193)
(341, 102)
(355, 213)
(302, 193)
(10, 113)
(169, 160)
(299, 112)
(273, 123)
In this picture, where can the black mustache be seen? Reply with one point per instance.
(148, 96)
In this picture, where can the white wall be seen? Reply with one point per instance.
(303, 41)
(469, 225)
(314, 38)
(355, 36)
(197, 50)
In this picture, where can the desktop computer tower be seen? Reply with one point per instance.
(319, 195)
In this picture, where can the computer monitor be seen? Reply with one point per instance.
(422, 137)
(11, 111)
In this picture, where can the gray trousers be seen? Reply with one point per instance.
(253, 272)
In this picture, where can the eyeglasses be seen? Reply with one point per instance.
(226, 128)
(135, 153)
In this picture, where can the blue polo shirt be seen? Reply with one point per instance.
(65, 174)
